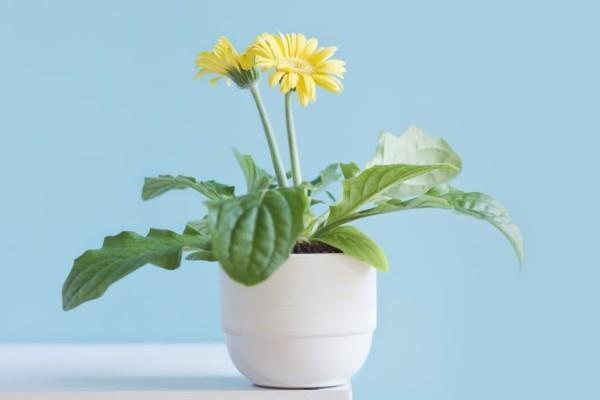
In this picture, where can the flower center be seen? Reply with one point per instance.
(294, 64)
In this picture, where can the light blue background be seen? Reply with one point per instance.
(94, 96)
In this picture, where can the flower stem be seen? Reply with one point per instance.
(291, 133)
(273, 148)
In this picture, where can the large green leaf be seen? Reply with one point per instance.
(415, 147)
(154, 187)
(254, 234)
(482, 206)
(371, 183)
(474, 204)
(356, 244)
(95, 270)
(256, 178)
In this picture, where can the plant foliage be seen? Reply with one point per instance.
(253, 234)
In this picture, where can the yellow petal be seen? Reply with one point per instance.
(264, 62)
(224, 48)
(333, 67)
(293, 79)
(301, 91)
(328, 83)
(300, 45)
(303, 99)
(212, 65)
(311, 87)
(306, 89)
(284, 85)
(283, 44)
(201, 73)
(309, 48)
(275, 77)
(202, 55)
(322, 54)
(291, 40)
(246, 60)
(274, 46)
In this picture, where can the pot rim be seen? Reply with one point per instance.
(317, 254)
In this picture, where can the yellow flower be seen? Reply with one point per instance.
(298, 64)
(225, 62)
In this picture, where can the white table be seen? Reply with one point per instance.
(134, 372)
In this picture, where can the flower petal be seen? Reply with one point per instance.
(321, 55)
(332, 67)
(283, 45)
(293, 79)
(309, 48)
(328, 83)
(284, 85)
(306, 89)
(275, 77)
(300, 44)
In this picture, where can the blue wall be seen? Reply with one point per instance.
(96, 95)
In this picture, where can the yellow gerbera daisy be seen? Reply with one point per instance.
(298, 64)
(224, 61)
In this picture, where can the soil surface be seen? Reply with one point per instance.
(314, 247)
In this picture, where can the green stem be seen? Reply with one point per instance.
(273, 148)
(291, 133)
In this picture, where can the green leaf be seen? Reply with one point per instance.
(200, 227)
(482, 206)
(474, 204)
(154, 187)
(254, 234)
(415, 147)
(326, 177)
(349, 170)
(256, 178)
(392, 205)
(356, 244)
(201, 255)
(95, 270)
(372, 182)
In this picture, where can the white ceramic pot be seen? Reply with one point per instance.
(309, 325)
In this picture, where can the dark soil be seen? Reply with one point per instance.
(314, 248)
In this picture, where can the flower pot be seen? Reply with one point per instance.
(309, 325)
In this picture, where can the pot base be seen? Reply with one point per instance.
(299, 362)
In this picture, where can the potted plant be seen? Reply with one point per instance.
(298, 288)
